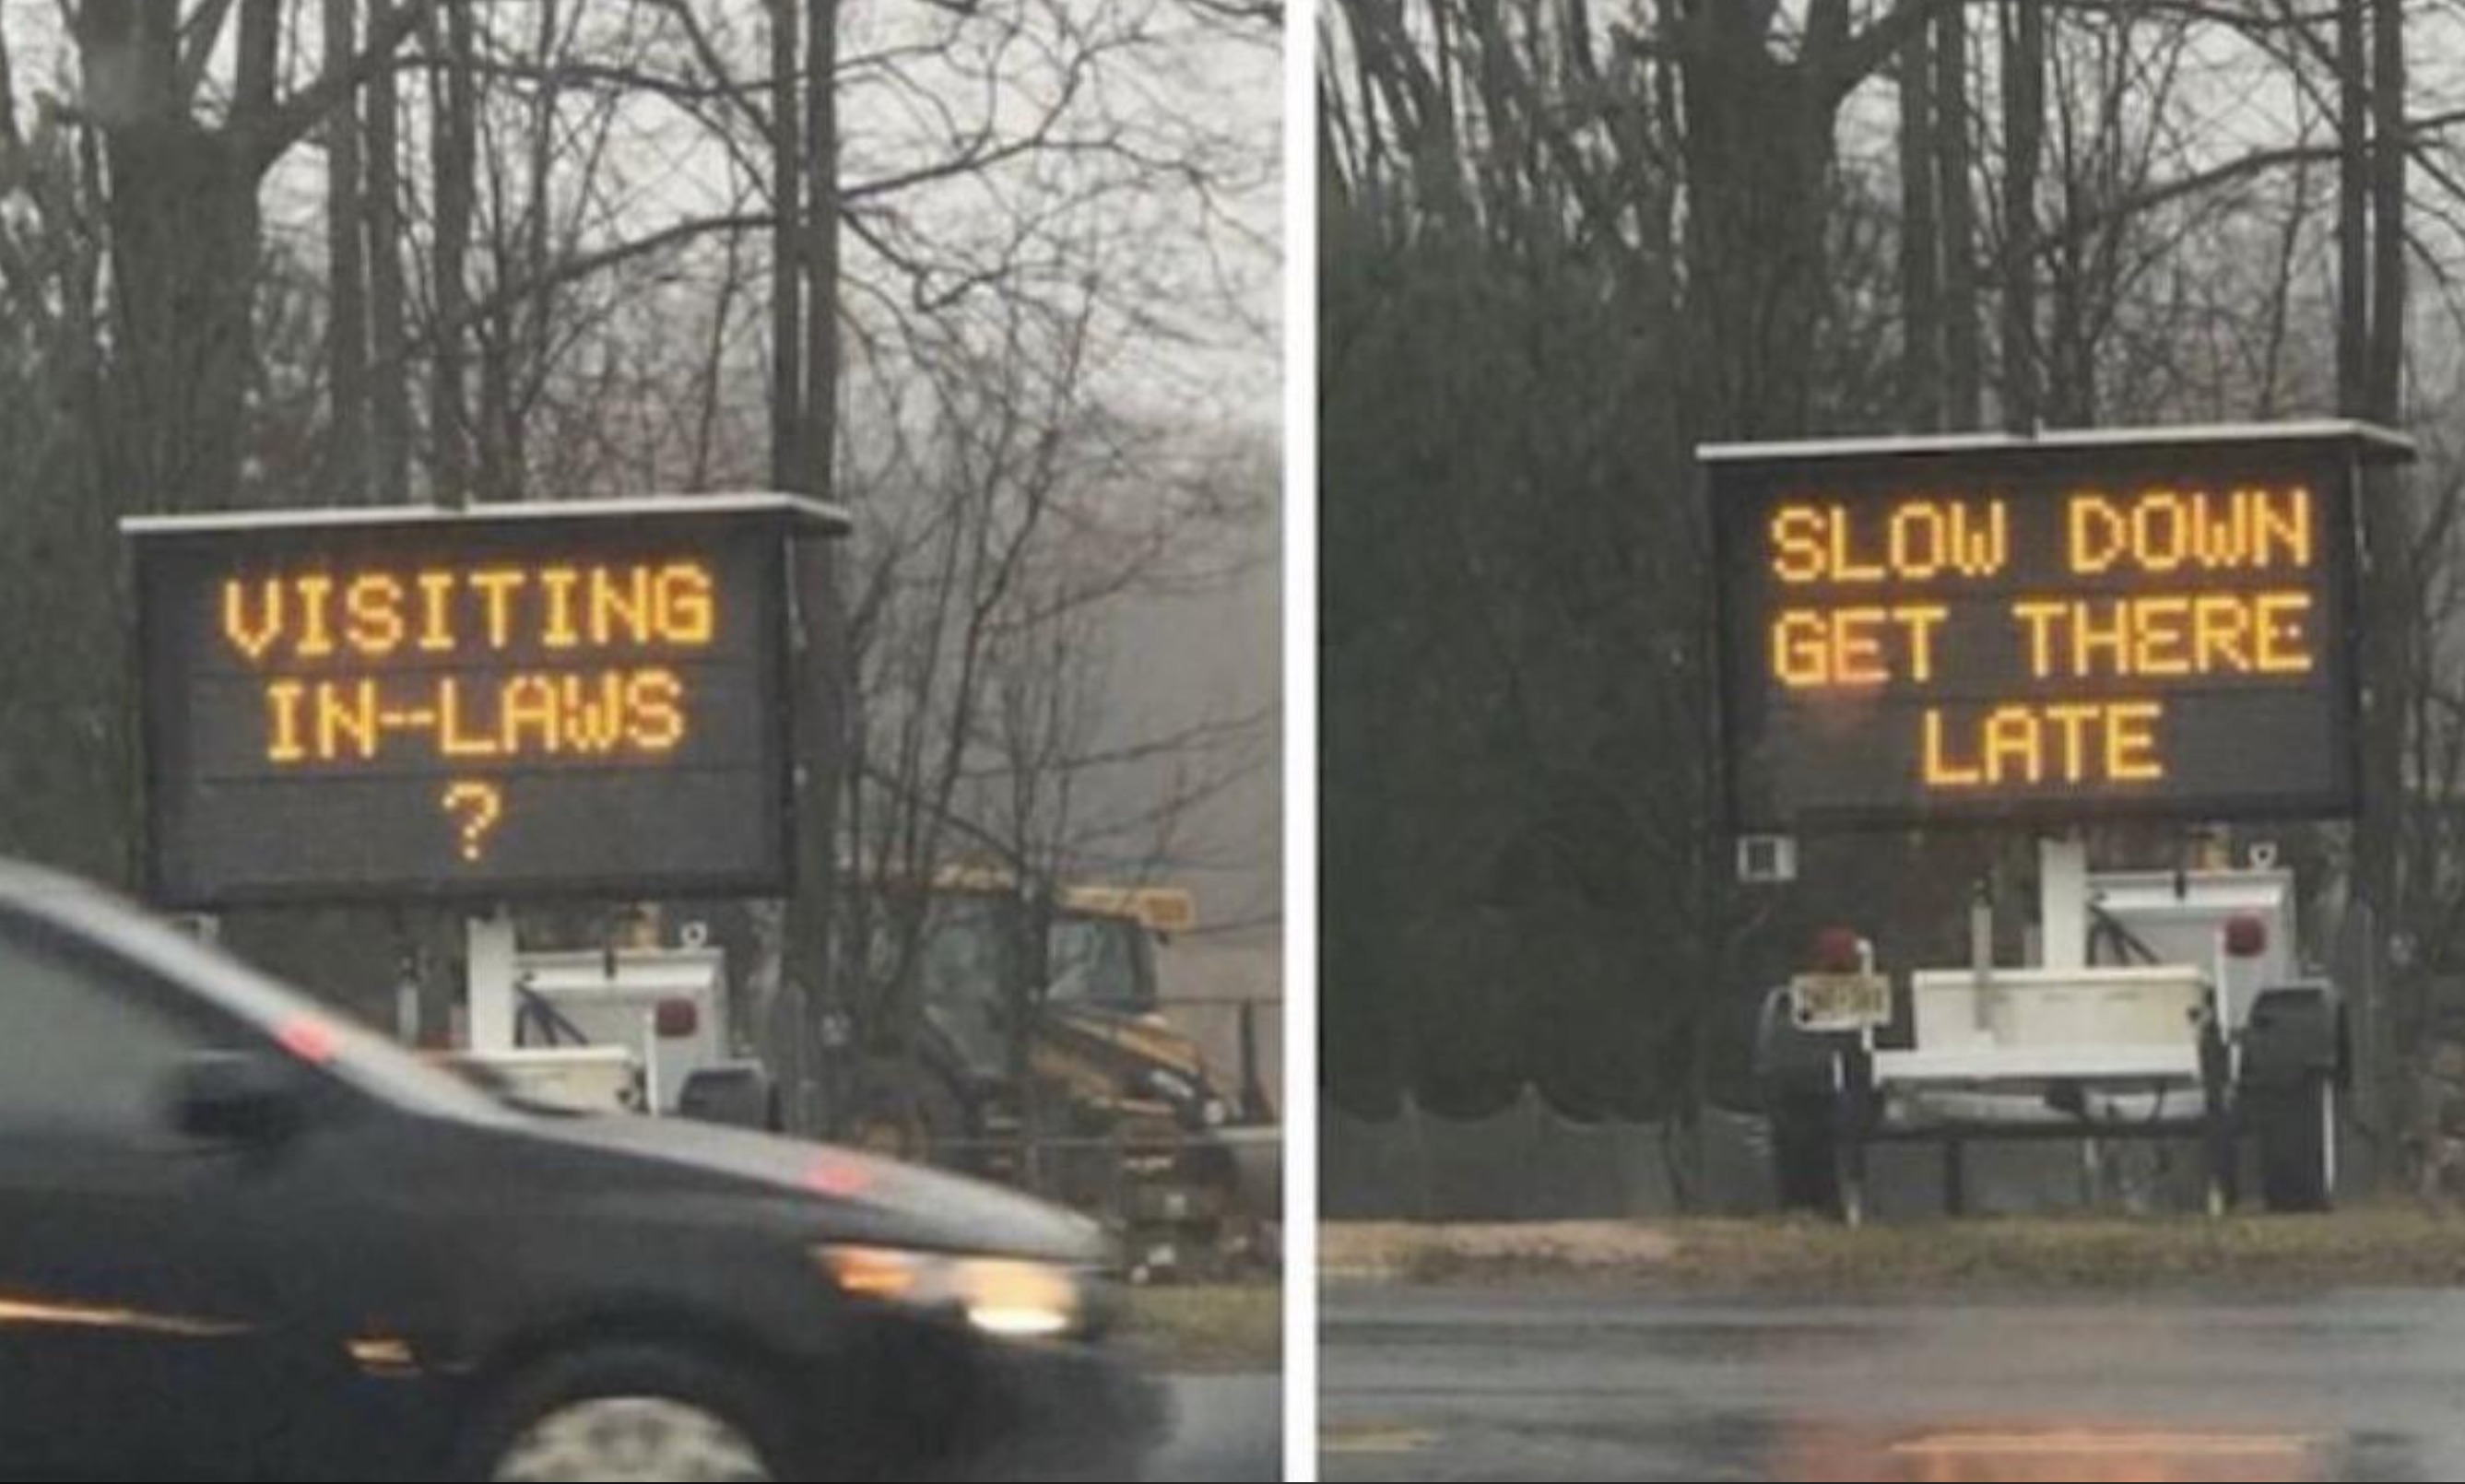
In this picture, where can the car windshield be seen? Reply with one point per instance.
(284, 1014)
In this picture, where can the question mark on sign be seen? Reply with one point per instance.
(481, 806)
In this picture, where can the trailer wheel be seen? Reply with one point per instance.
(2297, 1131)
(1805, 1167)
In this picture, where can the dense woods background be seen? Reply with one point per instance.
(992, 274)
(1564, 242)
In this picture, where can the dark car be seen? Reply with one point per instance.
(240, 1239)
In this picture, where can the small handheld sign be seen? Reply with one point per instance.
(2150, 625)
(512, 701)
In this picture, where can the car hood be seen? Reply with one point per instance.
(856, 1197)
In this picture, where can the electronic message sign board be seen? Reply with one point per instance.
(2073, 628)
(506, 703)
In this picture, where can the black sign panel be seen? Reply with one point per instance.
(485, 707)
(2067, 629)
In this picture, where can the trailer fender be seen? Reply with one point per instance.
(2294, 1034)
(1793, 1062)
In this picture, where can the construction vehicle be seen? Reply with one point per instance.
(2161, 1005)
(1129, 1120)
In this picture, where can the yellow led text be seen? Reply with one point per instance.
(2077, 742)
(1816, 647)
(524, 716)
(2166, 532)
(2170, 636)
(1914, 541)
(276, 621)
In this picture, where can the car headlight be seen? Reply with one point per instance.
(1007, 1297)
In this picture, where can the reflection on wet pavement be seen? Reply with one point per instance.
(1431, 1385)
(2040, 1454)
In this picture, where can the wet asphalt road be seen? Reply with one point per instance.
(1222, 1428)
(1225, 1428)
(1448, 1385)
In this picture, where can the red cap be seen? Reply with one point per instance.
(679, 1020)
(1839, 950)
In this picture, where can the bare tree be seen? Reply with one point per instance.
(1956, 189)
(2024, 125)
(346, 325)
(390, 429)
(1921, 240)
(185, 219)
(573, 246)
(454, 145)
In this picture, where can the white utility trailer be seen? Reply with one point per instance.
(2056, 634)
(2161, 1005)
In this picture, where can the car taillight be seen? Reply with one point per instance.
(679, 1020)
(2247, 936)
(837, 1180)
(310, 1040)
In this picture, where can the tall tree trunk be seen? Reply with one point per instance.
(454, 172)
(791, 1045)
(514, 340)
(185, 232)
(821, 256)
(2354, 209)
(2390, 237)
(456, 167)
(2023, 132)
(1963, 356)
(829, 696)
(185, 226)
(389, 301)
(2375, 344)
(347, 326)
(786, 250)
(1759, 157)
(1920, 245)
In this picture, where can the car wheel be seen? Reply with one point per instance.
(628, 1414)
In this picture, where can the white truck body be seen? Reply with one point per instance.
(597, 1079)
(614, 1000)
(571, 1027)
(2124, 1040)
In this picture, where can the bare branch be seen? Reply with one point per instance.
(204, 32)
(300, 115)
(2243, 167)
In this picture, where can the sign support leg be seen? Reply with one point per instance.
(2062, 885)
(493, 950)
(1980, 950)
